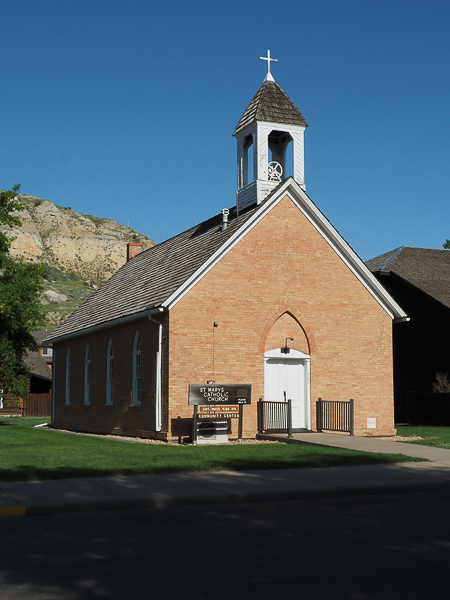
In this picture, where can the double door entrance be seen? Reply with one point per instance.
(286, 377)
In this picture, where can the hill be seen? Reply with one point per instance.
(81, 251)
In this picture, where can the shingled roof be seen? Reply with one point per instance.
(157, 278)
(152, 276)
(271, 104)
(426, 268)
(37, 366)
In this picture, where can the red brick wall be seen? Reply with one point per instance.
(122, 417)
(284, 266)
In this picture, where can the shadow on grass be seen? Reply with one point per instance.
(7, 421)
(31, 473)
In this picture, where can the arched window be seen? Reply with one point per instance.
(137, 370)
(87, 376)
(67, 398)
(109, 373)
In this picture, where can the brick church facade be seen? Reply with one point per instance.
(219, 301)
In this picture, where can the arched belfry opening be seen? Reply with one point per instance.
(270, 143)
(280, 149)
(248, 158)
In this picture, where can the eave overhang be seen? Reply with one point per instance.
(105, 325)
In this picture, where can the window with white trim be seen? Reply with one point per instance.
(67, 398)
(137, 370)
(87, 376)
(109, 373)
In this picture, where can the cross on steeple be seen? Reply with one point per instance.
(269, 76)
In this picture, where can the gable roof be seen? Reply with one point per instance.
(271, 104)
(158, 278)
(152, 276)
(427, 269)
(40, 335)
(37, 366)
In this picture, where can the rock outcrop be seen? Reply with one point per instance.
(82, 251)
(93, 247)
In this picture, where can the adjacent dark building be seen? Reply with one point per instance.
(419, 280)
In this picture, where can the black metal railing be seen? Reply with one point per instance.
(335, 416)
(275, 417)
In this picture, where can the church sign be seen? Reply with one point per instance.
(217, 412)
(217, 395)
(225, 401)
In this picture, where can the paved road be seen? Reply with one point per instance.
(360, 548)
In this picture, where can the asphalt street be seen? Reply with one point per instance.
(373, 547)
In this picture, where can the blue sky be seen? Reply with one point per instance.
(126, 109)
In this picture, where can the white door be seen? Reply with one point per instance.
(286, 377)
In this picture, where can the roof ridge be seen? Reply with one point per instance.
(391, 258)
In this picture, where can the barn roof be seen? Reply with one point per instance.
(427, 269)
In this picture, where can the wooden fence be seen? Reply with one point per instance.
(37, 405)
(33, 405)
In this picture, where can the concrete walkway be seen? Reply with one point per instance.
(101, 493)
(365, 444)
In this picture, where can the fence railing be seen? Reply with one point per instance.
(335, 416)
(275, 417)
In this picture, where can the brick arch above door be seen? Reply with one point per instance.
(287, 321)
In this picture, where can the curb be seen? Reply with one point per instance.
(127, 504)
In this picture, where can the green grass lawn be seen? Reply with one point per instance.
(27, 453)
(439, 437)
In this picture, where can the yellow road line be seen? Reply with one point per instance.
(12, 511)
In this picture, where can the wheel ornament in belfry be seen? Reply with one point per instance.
(275, 171)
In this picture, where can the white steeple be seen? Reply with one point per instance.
(267, 127)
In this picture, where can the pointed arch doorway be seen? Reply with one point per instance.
(287, 377)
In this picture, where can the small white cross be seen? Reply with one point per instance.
(269, 60)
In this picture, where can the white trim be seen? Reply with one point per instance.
(321, 224)
(271, 125)
(53, 385)
(158, 422)
(294, 354)
(306, 359)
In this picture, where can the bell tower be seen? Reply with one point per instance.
(269, 128)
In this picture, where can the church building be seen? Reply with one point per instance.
(222, 302)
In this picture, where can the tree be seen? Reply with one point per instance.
(20, 310)
(442, 383)
(446, 246)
